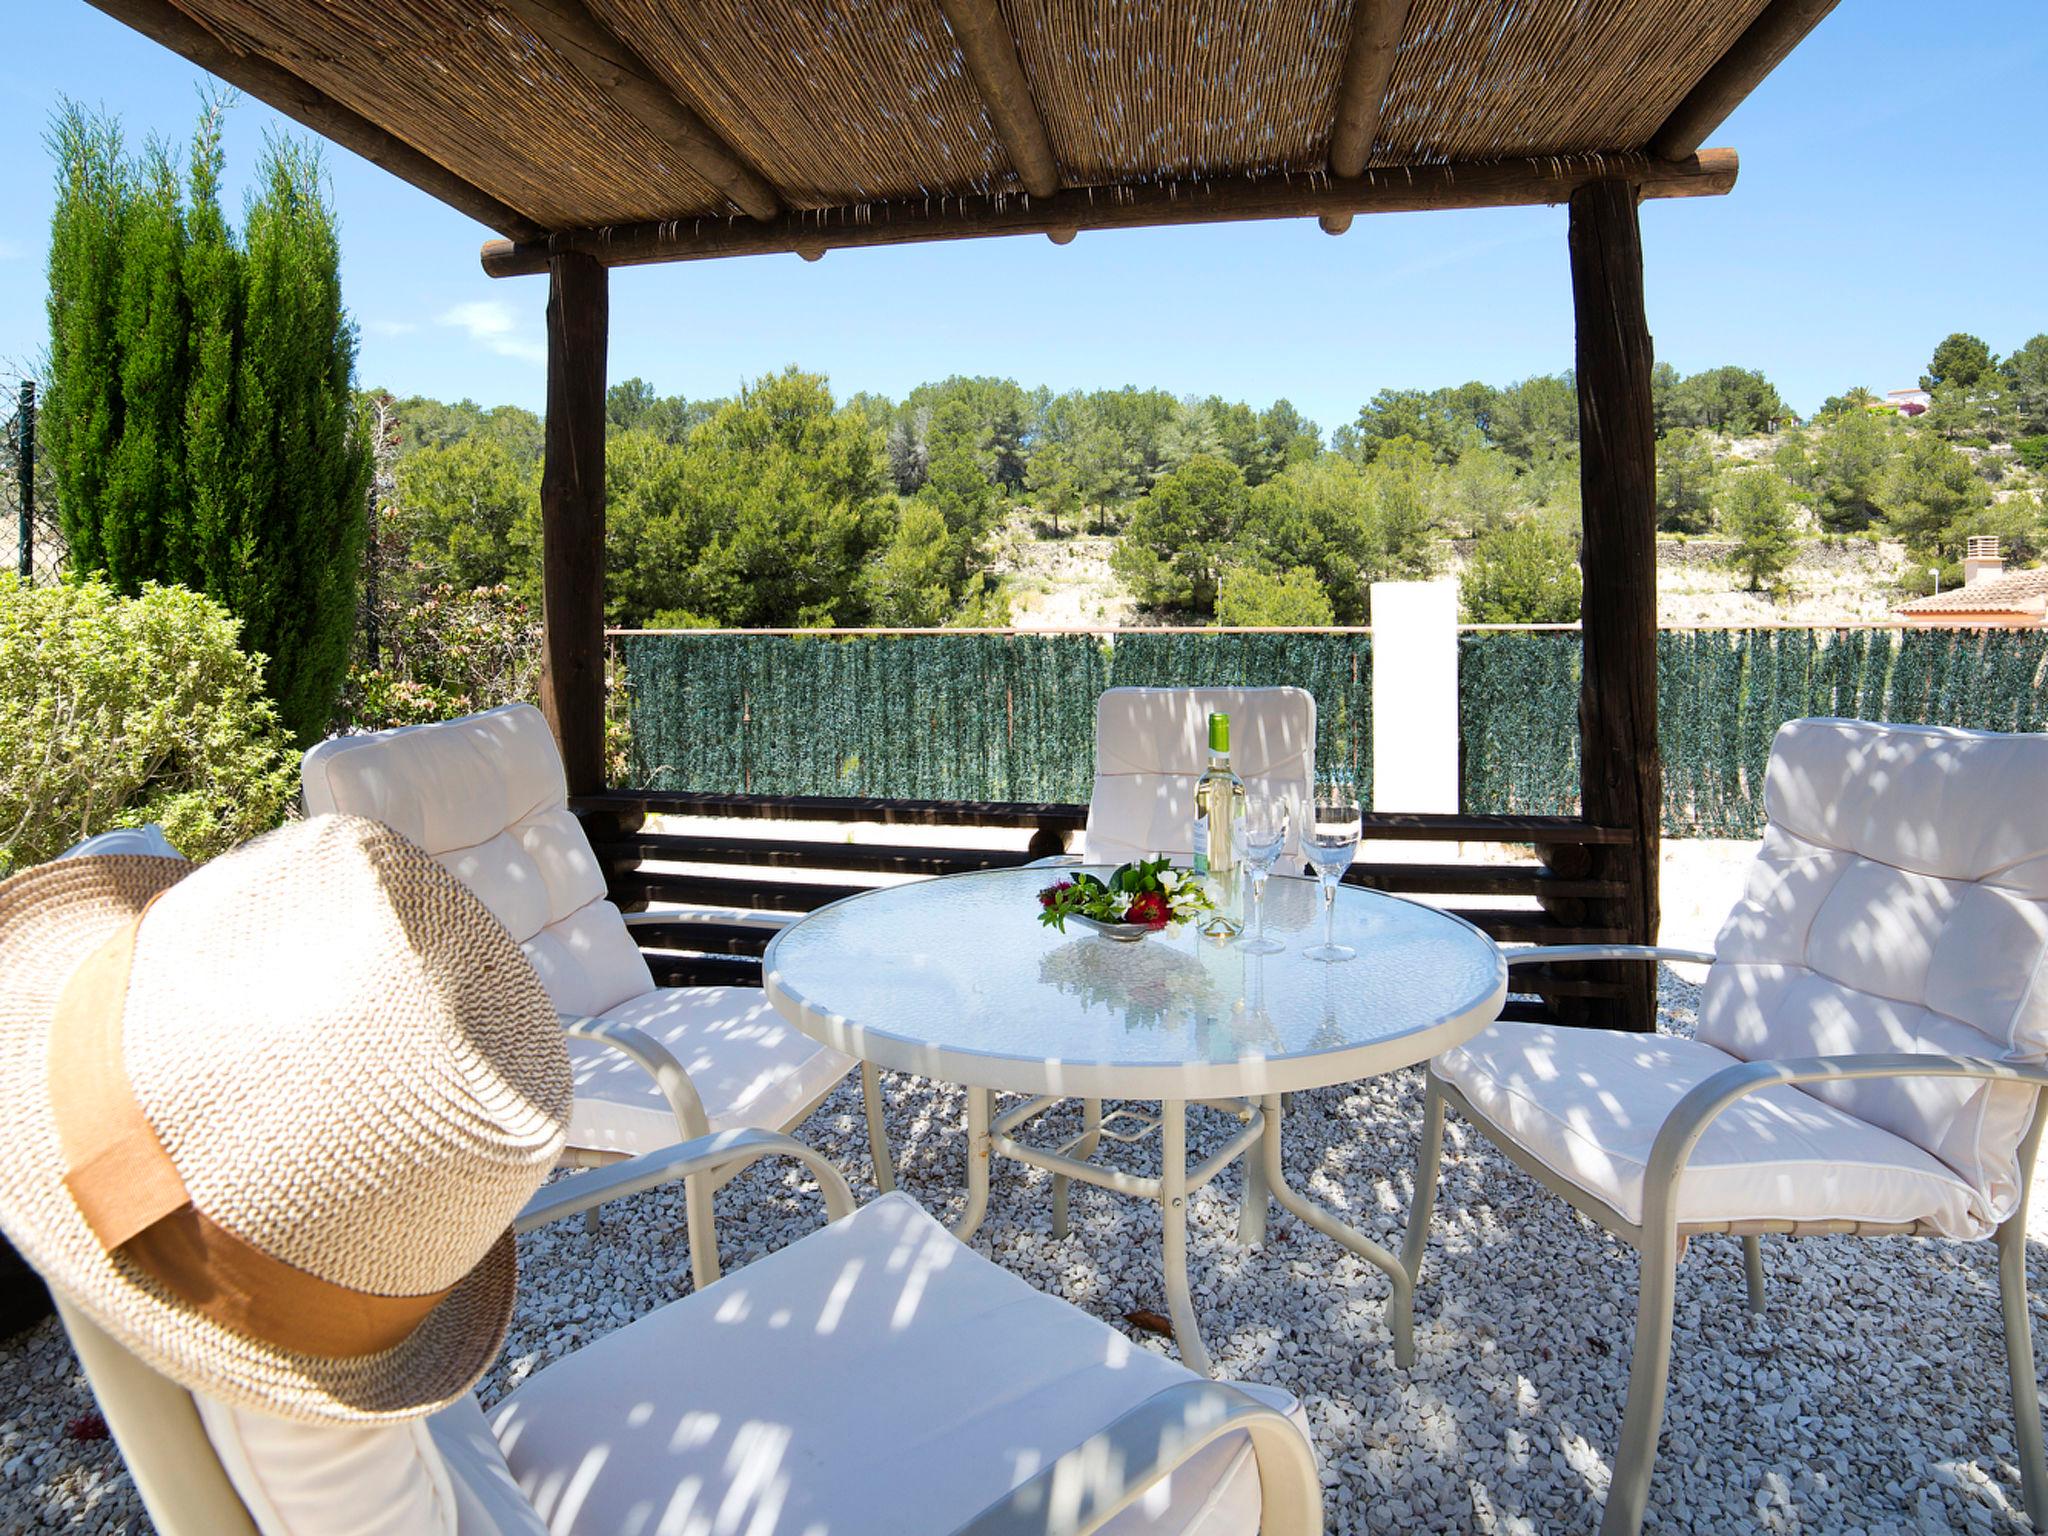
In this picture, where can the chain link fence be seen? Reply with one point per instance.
(31, 544)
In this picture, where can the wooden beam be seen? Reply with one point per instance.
(572, 519)
(1402, 189)
(1760, 49)
(1620, 774)
(1376, 28)
(569, 28)
(304, 103)
(991, 57)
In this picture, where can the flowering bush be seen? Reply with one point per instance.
(1148, 894)
(452, 652)
(456, 651)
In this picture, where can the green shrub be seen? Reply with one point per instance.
(2033, 451)
(1524, 573)
(1292, 599)
(116, 711)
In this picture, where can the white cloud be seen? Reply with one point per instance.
(491, 323)
(391, 327)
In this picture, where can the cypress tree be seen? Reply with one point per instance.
(215, 463)
(299, 548)
(81, 412)
(143, 518)
(200, 414)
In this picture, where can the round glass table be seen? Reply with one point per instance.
(955, 979)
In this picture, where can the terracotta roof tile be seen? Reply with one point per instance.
(2013, 592)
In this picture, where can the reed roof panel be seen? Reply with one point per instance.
(1490, 79)
(841, 104)
(471, 87)
(834, 101)
(1157, 90)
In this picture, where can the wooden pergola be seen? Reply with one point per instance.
(598, 133)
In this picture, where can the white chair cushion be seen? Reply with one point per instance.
(443, 1476)
(1899, 903)
(877, 1378)
(750, 1067)
(1152, 747)
(1587, 1105)
(485, 796)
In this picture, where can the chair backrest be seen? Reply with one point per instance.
(485, 796)
(206, 1469)
(1152, 747)
(1899, 903)
(156, 1423)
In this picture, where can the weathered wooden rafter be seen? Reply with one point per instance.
(1494, 184)
(1376, 29)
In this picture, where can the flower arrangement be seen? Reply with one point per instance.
(1149, 893)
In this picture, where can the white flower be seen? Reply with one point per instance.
(1168, 880)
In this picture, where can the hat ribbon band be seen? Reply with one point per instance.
(134, 1199)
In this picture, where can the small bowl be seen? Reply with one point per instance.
(1121, 933)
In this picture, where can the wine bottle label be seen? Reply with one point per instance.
(1201, 859)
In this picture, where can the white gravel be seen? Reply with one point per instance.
(1870, 1397)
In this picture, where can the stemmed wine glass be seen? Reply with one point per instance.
(1330, 842)
(1265, 833)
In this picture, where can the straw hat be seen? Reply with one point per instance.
(268, 1122)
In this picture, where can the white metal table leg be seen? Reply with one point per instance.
(1091, 1138)
(978, 1149)
(878, 1130)
(1401, 1306)
(1173, 1202)
(1251, 1214)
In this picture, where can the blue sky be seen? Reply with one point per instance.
(1890, 192)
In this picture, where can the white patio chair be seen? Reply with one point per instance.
(1152, 748)
(876, 1378)
(485, 795)
(1869, 1058)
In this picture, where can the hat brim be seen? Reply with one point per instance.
(51, 918)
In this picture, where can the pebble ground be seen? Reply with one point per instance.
(1870, 1397)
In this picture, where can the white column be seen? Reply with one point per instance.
(1415, 696)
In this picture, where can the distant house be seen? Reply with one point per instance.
(1908, 402)
(1989, 596)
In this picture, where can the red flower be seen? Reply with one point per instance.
(1051, 893)
(1149, 909)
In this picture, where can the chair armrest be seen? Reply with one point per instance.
(1691, 1116)
(1086, 1488)
(659, 1063)
(767, 922)
(1545, 954)
(732, 1150)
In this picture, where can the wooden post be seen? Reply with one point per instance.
(572, 518)
(1621, 777)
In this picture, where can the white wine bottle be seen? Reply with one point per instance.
(1219, 835)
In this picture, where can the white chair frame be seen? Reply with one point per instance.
(692, 1123)
(187, 1491)
(1657, 1238)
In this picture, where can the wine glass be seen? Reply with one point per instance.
(1265, 833)
(1330, 842)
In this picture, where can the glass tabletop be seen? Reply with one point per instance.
(956, 979)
